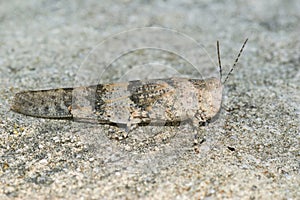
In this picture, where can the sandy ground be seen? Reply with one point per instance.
(250, 152)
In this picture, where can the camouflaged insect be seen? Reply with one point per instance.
(157, 101)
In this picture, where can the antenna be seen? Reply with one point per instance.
(220, 66)
(236, 60)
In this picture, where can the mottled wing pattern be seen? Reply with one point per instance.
(55, 103)
(129, 102)
(152, 101)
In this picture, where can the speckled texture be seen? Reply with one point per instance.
(250, 152)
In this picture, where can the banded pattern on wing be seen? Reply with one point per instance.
(151, 99)
(112, 102)
(145, 93)
(131, 102)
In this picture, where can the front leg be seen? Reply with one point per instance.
(198, 137)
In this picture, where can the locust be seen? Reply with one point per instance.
(128, 104)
